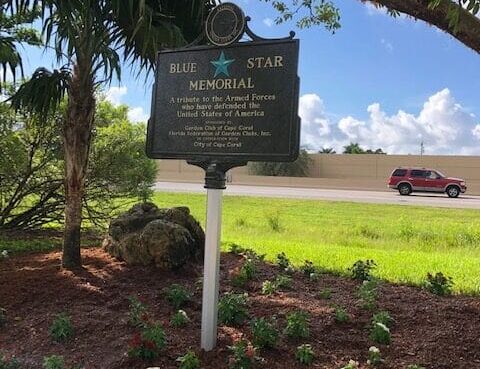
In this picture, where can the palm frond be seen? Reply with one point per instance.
(43, 93)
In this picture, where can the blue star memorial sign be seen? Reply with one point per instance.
(221, 65)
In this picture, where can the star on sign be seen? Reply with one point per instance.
(221, 65)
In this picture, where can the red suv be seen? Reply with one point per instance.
(408, 180)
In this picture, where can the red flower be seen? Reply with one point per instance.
(136, 340)
(149, 345)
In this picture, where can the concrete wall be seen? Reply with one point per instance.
(364, 172)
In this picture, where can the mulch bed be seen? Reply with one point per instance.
(436, 332)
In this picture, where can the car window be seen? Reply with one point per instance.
(432, 175)
(399, 173)
(418, 173)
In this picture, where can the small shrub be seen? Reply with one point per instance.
(53, 362)
(179, 319)
(341, 315)
(439, 284)
(380, 334)
(3, 318)
(361, 270)
(246, 273)
(236, 249)
(352, 364)
(264, 333)
(232, 309)
(283, 261)
(382, 317)
(189, 361)
(325, 294)
(308, 268)
(8, 363)
(148, 343)
(177, 295)
(274, 222)
(297, 325)
(283, 282)
(374, 356)
(61, 329)
(242, 357)
(268, 288)
(368, 293)
(305, 354)
(415, 366)
(137, 315)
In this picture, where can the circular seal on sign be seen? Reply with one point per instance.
(225, 24)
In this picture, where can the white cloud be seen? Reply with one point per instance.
(375, 10)
(269, 22)
(135, 114)
(443, 125)
(115, 94)
(388, 45)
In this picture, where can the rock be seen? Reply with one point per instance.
(145, 235)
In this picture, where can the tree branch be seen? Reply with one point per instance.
(468, 29)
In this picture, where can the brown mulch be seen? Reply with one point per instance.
(436, 332)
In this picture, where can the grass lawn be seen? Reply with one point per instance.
(406, 242)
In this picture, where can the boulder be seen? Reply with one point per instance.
(146, 234)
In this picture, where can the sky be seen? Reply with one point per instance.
(382, 82)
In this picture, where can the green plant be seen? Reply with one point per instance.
(61, 329)
(242, 357)
(274, 222)
(53, 362)
(236, 249)
(148, 343)
(232, 309)
(240, 222)
(179, 319)
(189, 361)
(439, 284)
(264, 333)
(352, 364)
(415, 366)
(341, 315)
(380, 333)
(283, 282)
(374, 356)
(382, 317)
(325, 294)
(268, 288)
(297, 325)
(368, 292)
(8, 363)
(307, 268)
(246, 273)
(177, 295)
(137, 315)
(305, 354)
(283, 261)
(3, 317)
(361, 270)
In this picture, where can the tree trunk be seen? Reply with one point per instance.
(77, 135)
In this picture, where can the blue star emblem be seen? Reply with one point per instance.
(221, 65)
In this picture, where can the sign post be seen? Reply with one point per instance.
(220, 106)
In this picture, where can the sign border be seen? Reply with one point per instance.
(294, 141)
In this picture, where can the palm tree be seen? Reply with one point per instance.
(353, 148)
(15, 29)
(90, 39)
(327, 150)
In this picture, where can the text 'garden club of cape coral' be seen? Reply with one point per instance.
(221, 69)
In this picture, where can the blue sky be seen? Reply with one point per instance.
(379, 81)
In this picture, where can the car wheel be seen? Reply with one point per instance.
(405, 189)
(453, 191)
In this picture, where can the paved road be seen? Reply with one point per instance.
(378, 197)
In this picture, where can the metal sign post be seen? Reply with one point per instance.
(219, 103)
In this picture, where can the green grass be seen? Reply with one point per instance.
(406, 242)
